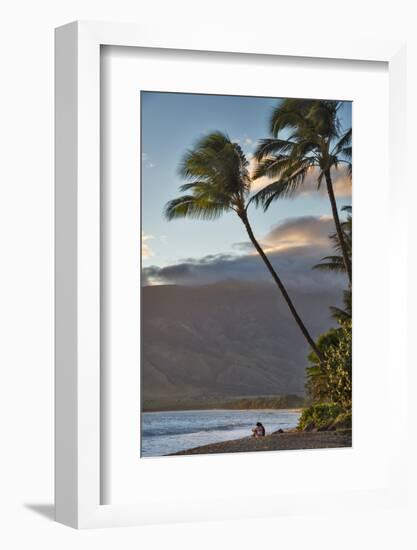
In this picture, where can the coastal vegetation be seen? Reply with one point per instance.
(286, 401)
(329, 380)
(323, 417)
(273, 402)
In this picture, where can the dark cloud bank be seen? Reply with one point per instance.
(293, 246)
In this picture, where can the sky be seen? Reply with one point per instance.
(293, 231)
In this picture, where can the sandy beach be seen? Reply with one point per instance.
(278, 442)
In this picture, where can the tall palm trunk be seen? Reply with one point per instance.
(281, 286)
(339, 231)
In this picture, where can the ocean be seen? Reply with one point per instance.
(169, 432)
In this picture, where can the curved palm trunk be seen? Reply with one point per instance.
(281, 286)
(339, 231)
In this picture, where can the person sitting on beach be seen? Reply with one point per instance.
(258, 431)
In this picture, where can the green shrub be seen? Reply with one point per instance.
(320, 416)
(330, 380)
(343, 422)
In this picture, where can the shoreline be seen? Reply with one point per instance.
(292, 409)
(285, 401)
(290, 440)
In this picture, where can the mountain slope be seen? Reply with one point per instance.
(224, 340)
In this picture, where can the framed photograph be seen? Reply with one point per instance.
(228, 219)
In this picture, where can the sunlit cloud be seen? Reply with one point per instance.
(342, 184)
(146, 250)
(299, 232)
(302, 231)
(259, 183)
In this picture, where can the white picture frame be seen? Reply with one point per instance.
(78, 404)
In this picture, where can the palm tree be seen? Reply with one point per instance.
(218, 181)
(344, 314)
(335, 263)
(314, 140)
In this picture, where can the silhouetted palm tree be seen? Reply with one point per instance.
(335, 262)
(345, 314)
(218, 181)
(314, 140)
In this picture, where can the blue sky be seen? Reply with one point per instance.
(171, 124)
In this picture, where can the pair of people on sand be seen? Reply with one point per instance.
(258, 430)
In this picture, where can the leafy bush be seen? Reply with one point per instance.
(330, 380)
(343, 422)
(317, 385)
(320, 416)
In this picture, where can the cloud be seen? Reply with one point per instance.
(342, 184)
(293, 247)
(298, 232)
(146, 161)
(302, 231)
(245, 142)
(146, 250)
(259, 183)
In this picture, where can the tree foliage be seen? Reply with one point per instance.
(217, 180)
(331, 379)
(307, 136)
(314, 139)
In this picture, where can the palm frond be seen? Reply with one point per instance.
(344, 143)
(268, 147)
(347, 152)
(331, 263)
(339, 314)
(309, 116)
(217, 179)
(290, 113)
(283, 188)
(275, 167)
(345, 314)
(336, 262)
(323, 117)
(189, 206)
